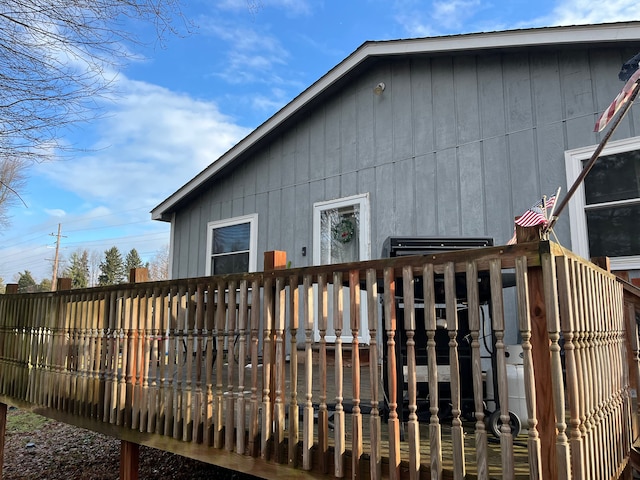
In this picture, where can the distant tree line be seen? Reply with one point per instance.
(111, 269)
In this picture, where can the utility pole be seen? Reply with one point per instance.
(54, 278)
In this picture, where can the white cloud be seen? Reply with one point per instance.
(55, 212)
(152, 142)
(291, 7)
(575, 12)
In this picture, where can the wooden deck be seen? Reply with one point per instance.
(151, 364)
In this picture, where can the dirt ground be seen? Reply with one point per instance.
(39, 448)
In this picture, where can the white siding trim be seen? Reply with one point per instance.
(577, 218)
(253, 238)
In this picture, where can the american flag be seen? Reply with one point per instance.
(618, 102)
(537, 213)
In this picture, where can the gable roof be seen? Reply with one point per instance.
(370, 50)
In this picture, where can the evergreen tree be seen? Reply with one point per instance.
(132, 260)
(26, 283)
(112, 268)
(45, 285)
(78, 270)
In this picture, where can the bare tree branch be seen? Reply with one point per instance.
(58, 59)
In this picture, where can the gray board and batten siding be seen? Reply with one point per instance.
(456, 145)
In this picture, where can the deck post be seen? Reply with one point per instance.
(129, 451)
(129, 459)
(273, 260)
(541, 356)
(3, 431)
(11, 288)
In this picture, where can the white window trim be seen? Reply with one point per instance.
(578, 219)
(253, 238)
(362, 201)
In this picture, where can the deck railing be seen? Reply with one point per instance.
(240, 366)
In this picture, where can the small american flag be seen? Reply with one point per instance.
(618, 102)
(537, 213)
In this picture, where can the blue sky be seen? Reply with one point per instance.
(182, 104)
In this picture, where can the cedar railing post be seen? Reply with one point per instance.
(129, 451)
(64, 284)
(11, 288)
(273, 260)
(541, 356)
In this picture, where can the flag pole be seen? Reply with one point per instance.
(587, 168)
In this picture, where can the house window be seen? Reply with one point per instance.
(341, 230)
(605, 210)
(232, 245)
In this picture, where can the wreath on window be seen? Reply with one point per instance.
(344, 230)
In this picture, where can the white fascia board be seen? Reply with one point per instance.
(602, 33)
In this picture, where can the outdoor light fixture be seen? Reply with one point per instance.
(379, 88)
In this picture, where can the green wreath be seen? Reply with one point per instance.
(344, 230)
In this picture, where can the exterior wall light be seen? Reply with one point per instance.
(379, 88)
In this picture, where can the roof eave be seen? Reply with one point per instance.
(574, 35)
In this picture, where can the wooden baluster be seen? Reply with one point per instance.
(181, 354)
(30, 345)
(338, 416)
(323, 414)
(147, 369)
(154, 348)
(84, 356)
(375, 427)
(33, 346)
(199, 409)
(410, 329)
(97, 344)
(47, 360)
(87, 358)
(599, 340)
(497, 313)
(209, 359)
(476, 370)
(390, 327)
(72, 356)
(164, 352)
(294, 409)
(128, 358)
(254, 427)
(231, 360)
(567, 294)
(47, 341)
(136, 352)
(356, 416)
(524, 317)
(451, 306)
(553, 325)
(279, 407)
(593, 367)
(267, 347)
(218, 408)
(51, 326)
(307, 429)
(170, 373)
(187, 396)
(84, 397)
(240, 408)
(582, 342)
(115, 316)
(120, 359)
